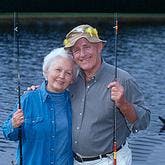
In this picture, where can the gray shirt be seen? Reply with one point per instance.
(93, 112)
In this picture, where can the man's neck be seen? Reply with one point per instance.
(89, 74)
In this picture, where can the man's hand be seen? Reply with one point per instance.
(117, 93)
(32, 88)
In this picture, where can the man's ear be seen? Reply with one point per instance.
(100, 47)
(71, 82)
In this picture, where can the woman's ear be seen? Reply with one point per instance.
(46, 75)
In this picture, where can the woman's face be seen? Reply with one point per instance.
(60, 74)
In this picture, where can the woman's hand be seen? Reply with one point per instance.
(18, 118)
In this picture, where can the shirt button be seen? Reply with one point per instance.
(53, 136)
(88, 86)
(52, 121)
(51, 162)
(80, 113)
(78, 127)
(52, 149)
(51, 109)
(75, 142)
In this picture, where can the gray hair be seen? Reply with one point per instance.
(55, 53)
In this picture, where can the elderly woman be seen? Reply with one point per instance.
(46, 115)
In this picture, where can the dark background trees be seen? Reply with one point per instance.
(125, 6)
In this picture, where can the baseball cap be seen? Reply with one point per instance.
(82, 31)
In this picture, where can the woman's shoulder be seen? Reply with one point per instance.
(32, 94)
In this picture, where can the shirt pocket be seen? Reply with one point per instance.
(33, 128)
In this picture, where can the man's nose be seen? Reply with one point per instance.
(82, 53)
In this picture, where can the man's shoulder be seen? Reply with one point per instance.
(121, 73)
(111, 68)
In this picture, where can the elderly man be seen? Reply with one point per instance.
(94, 94)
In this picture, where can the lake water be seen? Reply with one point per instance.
(140, 49)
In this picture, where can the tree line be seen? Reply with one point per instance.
(125, 6)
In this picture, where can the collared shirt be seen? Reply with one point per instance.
(46, 129)
(93, 112)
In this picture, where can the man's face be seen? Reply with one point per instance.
(87, 55)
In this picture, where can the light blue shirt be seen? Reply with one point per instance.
(46, 129)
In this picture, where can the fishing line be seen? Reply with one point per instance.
(115, 79)
(16, 52)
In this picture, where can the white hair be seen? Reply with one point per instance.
(56, 53)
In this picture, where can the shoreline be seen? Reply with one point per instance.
(94, 17)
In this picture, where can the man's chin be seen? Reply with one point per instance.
(85, 67)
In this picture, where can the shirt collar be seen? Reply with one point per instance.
(98, 73)
(44, 93)
(100, 70)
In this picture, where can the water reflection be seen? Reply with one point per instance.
(140, 52)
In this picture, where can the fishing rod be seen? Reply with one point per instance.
(115, 79)
(16, 51)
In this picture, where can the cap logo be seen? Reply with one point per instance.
(67, 43)
(91, 31)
